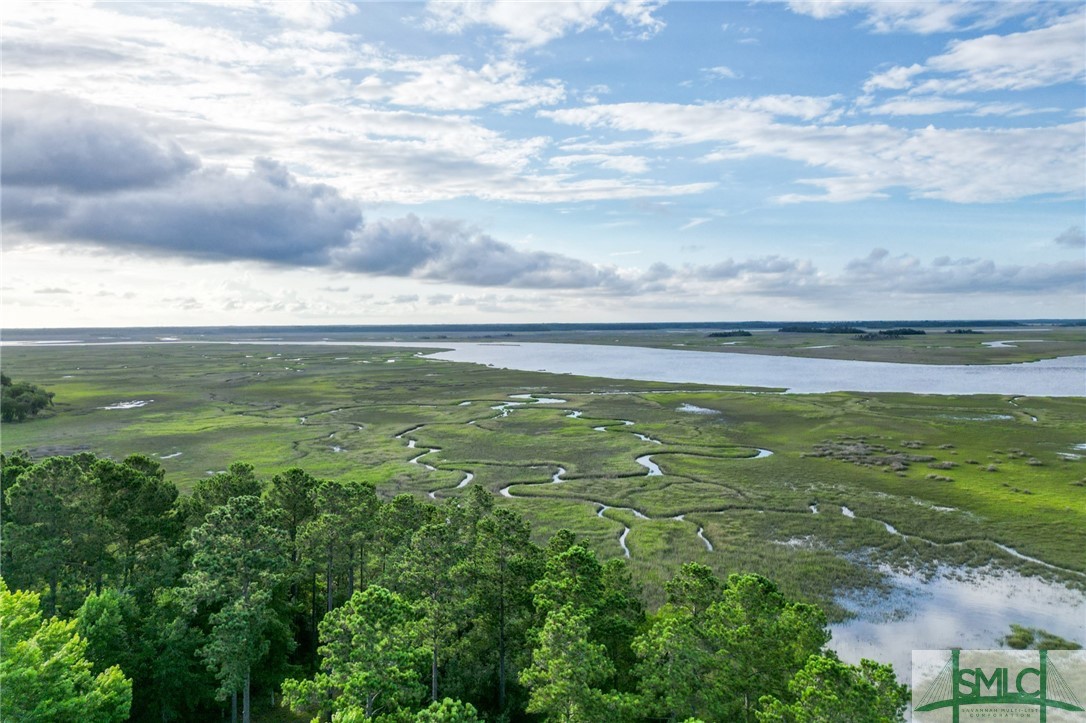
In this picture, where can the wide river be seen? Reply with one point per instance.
(1063, 377)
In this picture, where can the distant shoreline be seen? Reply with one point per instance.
(542, 327)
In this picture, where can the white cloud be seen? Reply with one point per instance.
(639, 14)
(320, 102)
(1038, 58)
(626, 164)
(896, 78)
(916, 16)
(923, 105)
(675, 123)
(945, 275)
(308, 13)
(532, 24)
(971, 165)
(443, 83)
(721, 71)
(1019, 61)
(694, 223)
(909, 105)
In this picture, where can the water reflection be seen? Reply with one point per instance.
(954, 608)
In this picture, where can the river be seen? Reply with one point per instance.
(1062, 377)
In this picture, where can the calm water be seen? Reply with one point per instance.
(954, 608)
(1063, 377)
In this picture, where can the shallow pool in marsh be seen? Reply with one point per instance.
(952, 608)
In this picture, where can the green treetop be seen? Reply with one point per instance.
(370, 655)
(45, 676)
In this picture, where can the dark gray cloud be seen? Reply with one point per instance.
(484, 261)
(445, 250)
(53, 140)
(1073, 238)
(396, 247)
(266, 215)
(78, 172)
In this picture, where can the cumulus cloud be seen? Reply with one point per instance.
(1018, 61)
(721, 71)
(895, 78)
(1072, 238)
(445, 250)
(266, 215)
(860, 281)
(1037, 58)
(54, 140)
(944, 275)
(318, 14)
(164, 201)
(234, 81)
(731, 269)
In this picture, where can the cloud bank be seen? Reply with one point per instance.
(115, 182)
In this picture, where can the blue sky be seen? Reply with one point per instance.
(292, 163)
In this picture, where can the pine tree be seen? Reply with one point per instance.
(238, 562)
(370, 654)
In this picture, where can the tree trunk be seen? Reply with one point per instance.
(234, 707)
(328, 581)
(53, 592)
(293, 565)
(350, 572)
(246, 713)
(433, 674)
(313, 611)
(501, 639)
(362, 566)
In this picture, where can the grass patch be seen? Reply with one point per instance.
(338, 411)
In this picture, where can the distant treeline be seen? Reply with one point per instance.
(196, 332)
(343, 606)
(888, 334)
(814, 329)
(725, 334)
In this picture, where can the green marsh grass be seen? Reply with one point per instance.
(218, 403)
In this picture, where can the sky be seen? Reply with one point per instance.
(238, 163)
